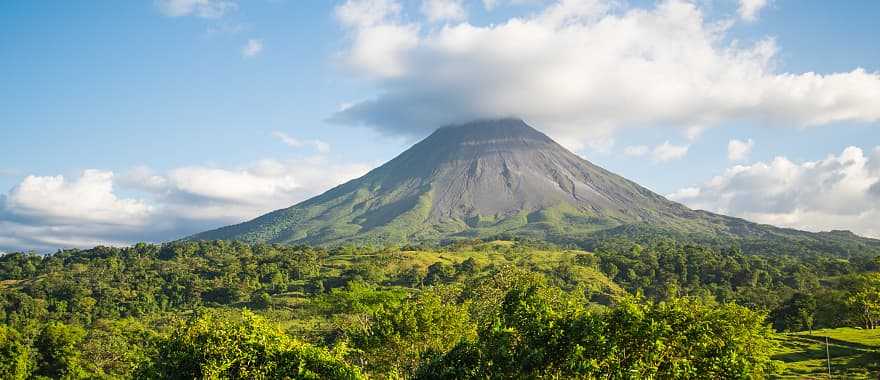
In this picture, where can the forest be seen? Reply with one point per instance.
(465, 310)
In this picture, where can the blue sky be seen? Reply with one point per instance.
(149, 120)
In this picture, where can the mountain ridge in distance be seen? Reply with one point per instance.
(502, 177)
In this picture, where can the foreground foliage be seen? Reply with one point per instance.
(470, 310)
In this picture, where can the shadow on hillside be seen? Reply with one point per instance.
(807, 356)
(840, 342)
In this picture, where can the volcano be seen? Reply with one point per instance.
(493, 178)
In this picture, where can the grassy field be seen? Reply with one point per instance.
(855, 354)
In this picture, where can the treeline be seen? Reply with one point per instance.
(110, 283)
(469, 310)
(799, 292)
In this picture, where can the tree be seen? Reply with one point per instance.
(15, 361)
(797, 313)
(212, 346)
(58, 351)
(117, 348)
(864, 300)
(468, 266)
(400, 337)
(439, 273)
(410, 277)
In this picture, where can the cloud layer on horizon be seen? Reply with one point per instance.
(838, 192)
(581, 69)
(50, 212)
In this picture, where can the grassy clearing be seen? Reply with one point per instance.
(855, 354)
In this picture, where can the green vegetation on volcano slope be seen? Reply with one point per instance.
(470, 309)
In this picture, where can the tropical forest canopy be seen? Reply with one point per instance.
(499, 309)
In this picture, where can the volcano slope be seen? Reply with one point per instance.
(504, 178)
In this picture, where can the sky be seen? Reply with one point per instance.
(152, 120)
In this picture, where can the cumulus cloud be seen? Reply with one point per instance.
(837, 192)
(232, 195)
(443, 10)
(581, 69)
(660, 153)
(739, 150)
(252, 48)
(46, 213)
(748, 9)
(198, 8)
(88, 198)
(293, 142)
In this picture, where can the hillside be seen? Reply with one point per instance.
(503, 177)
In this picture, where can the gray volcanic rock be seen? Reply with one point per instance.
(488, 178)
(502, 168)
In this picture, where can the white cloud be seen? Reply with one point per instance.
(444, 10)
(228, 195)
(660, 153)
(685, 193)
(88, 198)
(45, 213)
(320, 146)
(838, 192)
(252, 48)
(240, 186)
(378, 39)
(668, 152)
(143, 178)
(636, 150)
(739, 150)
(198, 8)
(749, 9)
(366, 13)
(693, 132)
(581, 69)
